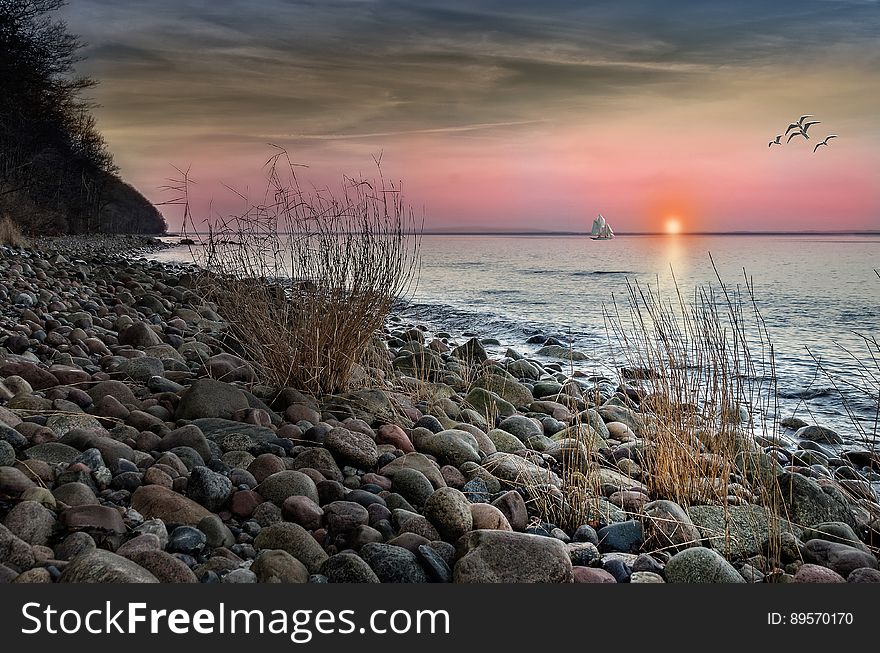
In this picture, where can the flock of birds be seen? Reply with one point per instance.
(800, 128)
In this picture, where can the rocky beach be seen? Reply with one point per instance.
(138, 445)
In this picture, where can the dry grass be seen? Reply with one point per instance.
(710, 379)
(10, 234)
(703, 361)
(306, 277)
(710, 385)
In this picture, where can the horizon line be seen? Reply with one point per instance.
(807, 232)
(440, 232)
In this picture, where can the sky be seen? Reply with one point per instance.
(505, 115)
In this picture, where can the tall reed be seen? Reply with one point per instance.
(306, 276)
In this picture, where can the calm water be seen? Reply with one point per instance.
(813, 291)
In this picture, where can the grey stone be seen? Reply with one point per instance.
(280, 485)
(449, 511)
(352, 447)
(413, 485)
(277, 566)
(348, 567)
(14, 551)
(294, 539)
(700, 565)
(31, 522)
(393, 564)
(208, 488)
(207, 398)
(101, 566)
(488, 556)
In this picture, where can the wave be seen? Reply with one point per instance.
(808, 393)
(585, 273)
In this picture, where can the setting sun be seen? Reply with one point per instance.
(673, 226)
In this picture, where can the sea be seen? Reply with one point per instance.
(818, 297)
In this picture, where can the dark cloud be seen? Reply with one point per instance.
(376, 65)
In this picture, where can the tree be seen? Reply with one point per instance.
(55, 168)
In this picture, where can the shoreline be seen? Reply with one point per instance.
(138, 446)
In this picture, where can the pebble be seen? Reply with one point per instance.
(127, 438)
(186, 539)
(624, 537)
(700, 565)
(100, 566)
(348, 567)
(208, 488)
(393, 564)
(449, 511)
(276, 566)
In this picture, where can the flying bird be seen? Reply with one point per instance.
(800, 122)
(776, 141)
(807, 125)
(800, 132)
(825, 142)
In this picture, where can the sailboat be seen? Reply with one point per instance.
(601, 229)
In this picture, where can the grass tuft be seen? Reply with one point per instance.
(306, 278)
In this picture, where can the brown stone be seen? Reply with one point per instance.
(159, 502)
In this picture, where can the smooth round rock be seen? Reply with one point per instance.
(450, 512)
(100, 566)
(347, 567)
(186, 539)
(277, 566)
(700, 565)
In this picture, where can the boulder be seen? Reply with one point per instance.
(700, 565)
(353, 447)
(155, 501)
(278, 566)
(513, 507)
(818, 434)
(838, 557)
(281, 485)
(488, 403)
(738, 532)
(393, 564)
(509, 390)
(449, 511)
(32, 522)
(208, 488)
(347, 567)
(419, 462)
(452, 446)
(229, 368)
(294, 539)
(93, 517)
(207, 398)
(140, 336)
(807, 503)
(164, 566)
(668, 527)
(519, 472)
(100, 566)
(189, 435)
(14, 551)
(490, 556)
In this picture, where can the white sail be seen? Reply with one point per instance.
(601, 229)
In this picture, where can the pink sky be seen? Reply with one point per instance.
(507, 122)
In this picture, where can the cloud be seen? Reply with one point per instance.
(341, 77)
